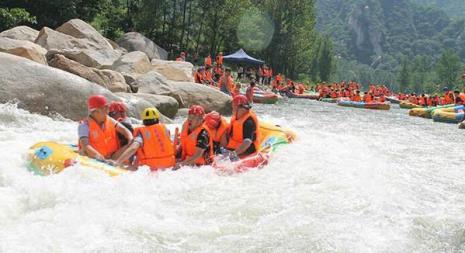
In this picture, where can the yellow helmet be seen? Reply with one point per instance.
(150, 113)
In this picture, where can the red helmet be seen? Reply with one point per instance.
(196, 110)
(96, 101)
(241, 100)
(212, 119)
(117, 107)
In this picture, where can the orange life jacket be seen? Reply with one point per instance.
(189, 142)
(208, 61)
(208, 76)
(219, 60)
(216, 134)
(356, 98)
(236, 131)
(198, 77)
(104, 140)
(157, 152)
(229, 83)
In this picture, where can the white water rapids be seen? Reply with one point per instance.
(354, 181)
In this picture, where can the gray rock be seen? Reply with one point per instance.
(81, 30)
(24, 49)
(83, 51)
(134, 41)
(174, 70)
(21, 33)
(132, 63)
(46, 90)
(166, 105)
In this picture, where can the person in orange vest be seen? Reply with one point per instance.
(218, 72)
(422, 100)
(218, 128)
(98, 132)
(208, 61)
(250, 92)
(381, 98)
(459, 100)
(209, 76)
(118, 111)
(243, 133)
(181, 57)
(152, 144)
(226, 83)
(356, 97)
(367, 98)
(219, 59)
(300, 88)
(196, 140)
(199, 76)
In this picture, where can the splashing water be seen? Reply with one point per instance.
(354, 181)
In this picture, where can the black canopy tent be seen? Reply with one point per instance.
(242, 57)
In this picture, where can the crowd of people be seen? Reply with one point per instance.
(449, 97)
(107, 135)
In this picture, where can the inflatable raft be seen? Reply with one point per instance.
(452, 115)
(313, 96)
(264, 97)
(427, 112)
(46, 158)
(373, 106)
(393, 100)
(407, 105)
(329, 100)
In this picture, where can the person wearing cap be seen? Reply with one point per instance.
(196, 142)
(243, 131)
(98, 132)
(226, 83)
(152, 144)
(118, 111)
(218, 128)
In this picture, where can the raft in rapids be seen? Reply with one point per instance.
(451, 115)
(372, 106)
(46, 158)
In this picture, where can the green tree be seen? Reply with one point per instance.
(13, 17)
(448, 68)
(404, 75)
(325, 59)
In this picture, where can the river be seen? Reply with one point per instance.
(354, 181)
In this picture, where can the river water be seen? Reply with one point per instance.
(354, 181)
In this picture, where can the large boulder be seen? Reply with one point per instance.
(134, 41)
(81, 30)
(46, 90)
(24, 49)
(166, 105)
(83, 51)
(109, 79)
(138, 104)
(154, 83)
(21, 33)
(174, 70)
(195, 94)
(133, 63)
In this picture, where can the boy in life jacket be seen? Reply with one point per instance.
(196, 141)
(218, 128)
(118, 111)
(152, 144)
(243, 133)
(98, 133)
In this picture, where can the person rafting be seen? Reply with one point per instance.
(200, 76)
(218, 127)
(226, 83)
(243, 133)
(118, 111)
(196, 142)
(152, 144)
(459, 100)
(356, 97)
(98, 132)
